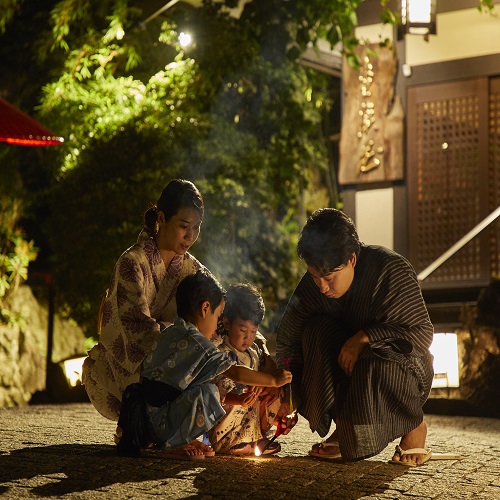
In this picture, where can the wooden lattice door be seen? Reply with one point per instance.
(494, 172)
(452, 171)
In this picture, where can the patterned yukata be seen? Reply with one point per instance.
(140, 301)
(240, 424)
(185, 360)
(383, 398)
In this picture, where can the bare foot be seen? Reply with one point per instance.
(242, 449)
(207, 450)
(414, 439)
(186, 452)
(331, 449)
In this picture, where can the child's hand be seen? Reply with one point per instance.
(282, 377)
(247, 399)
(256, 390)
(269, 395)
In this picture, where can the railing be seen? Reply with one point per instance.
(459, 244)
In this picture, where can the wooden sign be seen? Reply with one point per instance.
(371, 140)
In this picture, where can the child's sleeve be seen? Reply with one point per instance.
(223, 383)
(261, 342)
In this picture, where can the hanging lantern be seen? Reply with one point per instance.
(418, 17)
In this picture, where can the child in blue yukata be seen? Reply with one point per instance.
(250, 410)
(176, 402)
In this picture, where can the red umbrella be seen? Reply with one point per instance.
(16, 127)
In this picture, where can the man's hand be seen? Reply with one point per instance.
(351, 350)
(285, 419)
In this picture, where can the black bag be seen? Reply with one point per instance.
(134, 420)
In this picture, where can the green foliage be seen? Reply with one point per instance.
(236, 113)
(96, 209)
(243, 240)
(486, 6)
(15, 254)
(8, 9)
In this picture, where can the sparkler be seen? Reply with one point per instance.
(279, 428)
(287, 364)
(256, 434)
(269, 442)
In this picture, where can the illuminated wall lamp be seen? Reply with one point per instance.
(444, 348)
(418, 17)
(73, 369)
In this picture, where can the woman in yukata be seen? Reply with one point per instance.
(140, 300)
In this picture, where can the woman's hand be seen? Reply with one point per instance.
(351, 350)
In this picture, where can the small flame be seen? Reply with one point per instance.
(258, 453)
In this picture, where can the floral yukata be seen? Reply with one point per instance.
(187, 361)
(140, 302)
(241, 424)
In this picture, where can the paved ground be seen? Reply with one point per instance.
(66, 450)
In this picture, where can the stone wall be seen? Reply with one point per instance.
(480, 364)
(23, 348)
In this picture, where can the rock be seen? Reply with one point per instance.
(23, 348)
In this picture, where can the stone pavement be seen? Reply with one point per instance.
(67, 451)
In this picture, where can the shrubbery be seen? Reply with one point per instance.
(16, 252)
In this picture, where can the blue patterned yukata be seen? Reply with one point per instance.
(187, 361)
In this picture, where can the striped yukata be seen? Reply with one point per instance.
(382, 400)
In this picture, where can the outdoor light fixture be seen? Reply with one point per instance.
(73, 369)
(444, 348)
(185, 39)
(418, 17)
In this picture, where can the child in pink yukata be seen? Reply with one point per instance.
(176, 401)
(250, 411)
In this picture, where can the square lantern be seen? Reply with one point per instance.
(418, 17)
(444, 348)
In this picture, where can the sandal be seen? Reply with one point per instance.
(272, 447)
(328, 456)
(426, 452)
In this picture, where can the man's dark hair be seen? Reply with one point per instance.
(328, 240)
(195, 289)
(244, 300)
